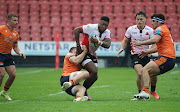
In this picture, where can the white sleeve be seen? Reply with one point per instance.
(88, 29)
(128, 33)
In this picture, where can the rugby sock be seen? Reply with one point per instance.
(73, 82)
(78, 97)
(6, 88)
(153, 88)
(146, 89)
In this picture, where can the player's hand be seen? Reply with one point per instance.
(84, 48)
(23, 55)
(136, 43)
(142, 54)
(119, 52)
(94, 39)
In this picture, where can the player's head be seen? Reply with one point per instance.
(141, 19)
(103, 24)
(157, 20)
(72, 50)
(12, 20)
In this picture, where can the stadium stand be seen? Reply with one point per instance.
(40, 20)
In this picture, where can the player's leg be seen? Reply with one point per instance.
(11, 70)
(149, 69)
(153, 87)
(138, 68)
(75, 78)
(2, 73)
(92, 69)
(79, 90)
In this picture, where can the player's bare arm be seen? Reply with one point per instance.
(77, 59)
(153, 40)
(123, 46)
(106, 43)
(17, 50)
(77, 31)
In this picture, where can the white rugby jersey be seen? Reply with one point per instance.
(133, 33)
(93, 29)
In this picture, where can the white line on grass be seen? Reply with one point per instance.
(11, 101)
(62, 92)
(33, 72)
(56, 93)
(174, 72)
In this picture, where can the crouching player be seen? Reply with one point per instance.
(72, 75)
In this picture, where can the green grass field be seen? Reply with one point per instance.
(38, 90)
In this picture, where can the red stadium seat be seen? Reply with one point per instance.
(24, 36)
(76, 7)
(56, 29)
(97, 9)
(46, 33)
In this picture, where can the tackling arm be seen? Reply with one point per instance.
(77, 59)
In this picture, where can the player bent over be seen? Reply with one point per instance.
(72, 75)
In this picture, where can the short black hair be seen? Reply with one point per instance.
(105, 18)
(71, 49)
(9, 16)
(159, 16)
(141, 13)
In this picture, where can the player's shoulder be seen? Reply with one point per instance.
(132, 27)
(107, 31)
(148, 28)
(91, 25)
(3, 26)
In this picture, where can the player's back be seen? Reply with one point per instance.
(69, 67)
(7, 39)
(165, 47)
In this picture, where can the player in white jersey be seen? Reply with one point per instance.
(139, 32)
(95, 35)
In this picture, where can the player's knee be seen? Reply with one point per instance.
(139, 74)
(13, 75)
(82, 88)
(2, 75)
(93, 72)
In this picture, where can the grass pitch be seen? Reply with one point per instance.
(38, 90)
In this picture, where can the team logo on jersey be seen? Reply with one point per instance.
(158, 31)
(88, 26)
(5, 30)
(10, 37)
(14, 34)
(147, 33)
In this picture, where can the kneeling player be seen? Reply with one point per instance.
(72, 75)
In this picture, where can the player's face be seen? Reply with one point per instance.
(102, 26)
(140, 20)
(74, 51)
(13, 22)
(155, 24)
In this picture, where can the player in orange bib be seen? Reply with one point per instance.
(72, 75)
(166, 53)
(8, 40)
